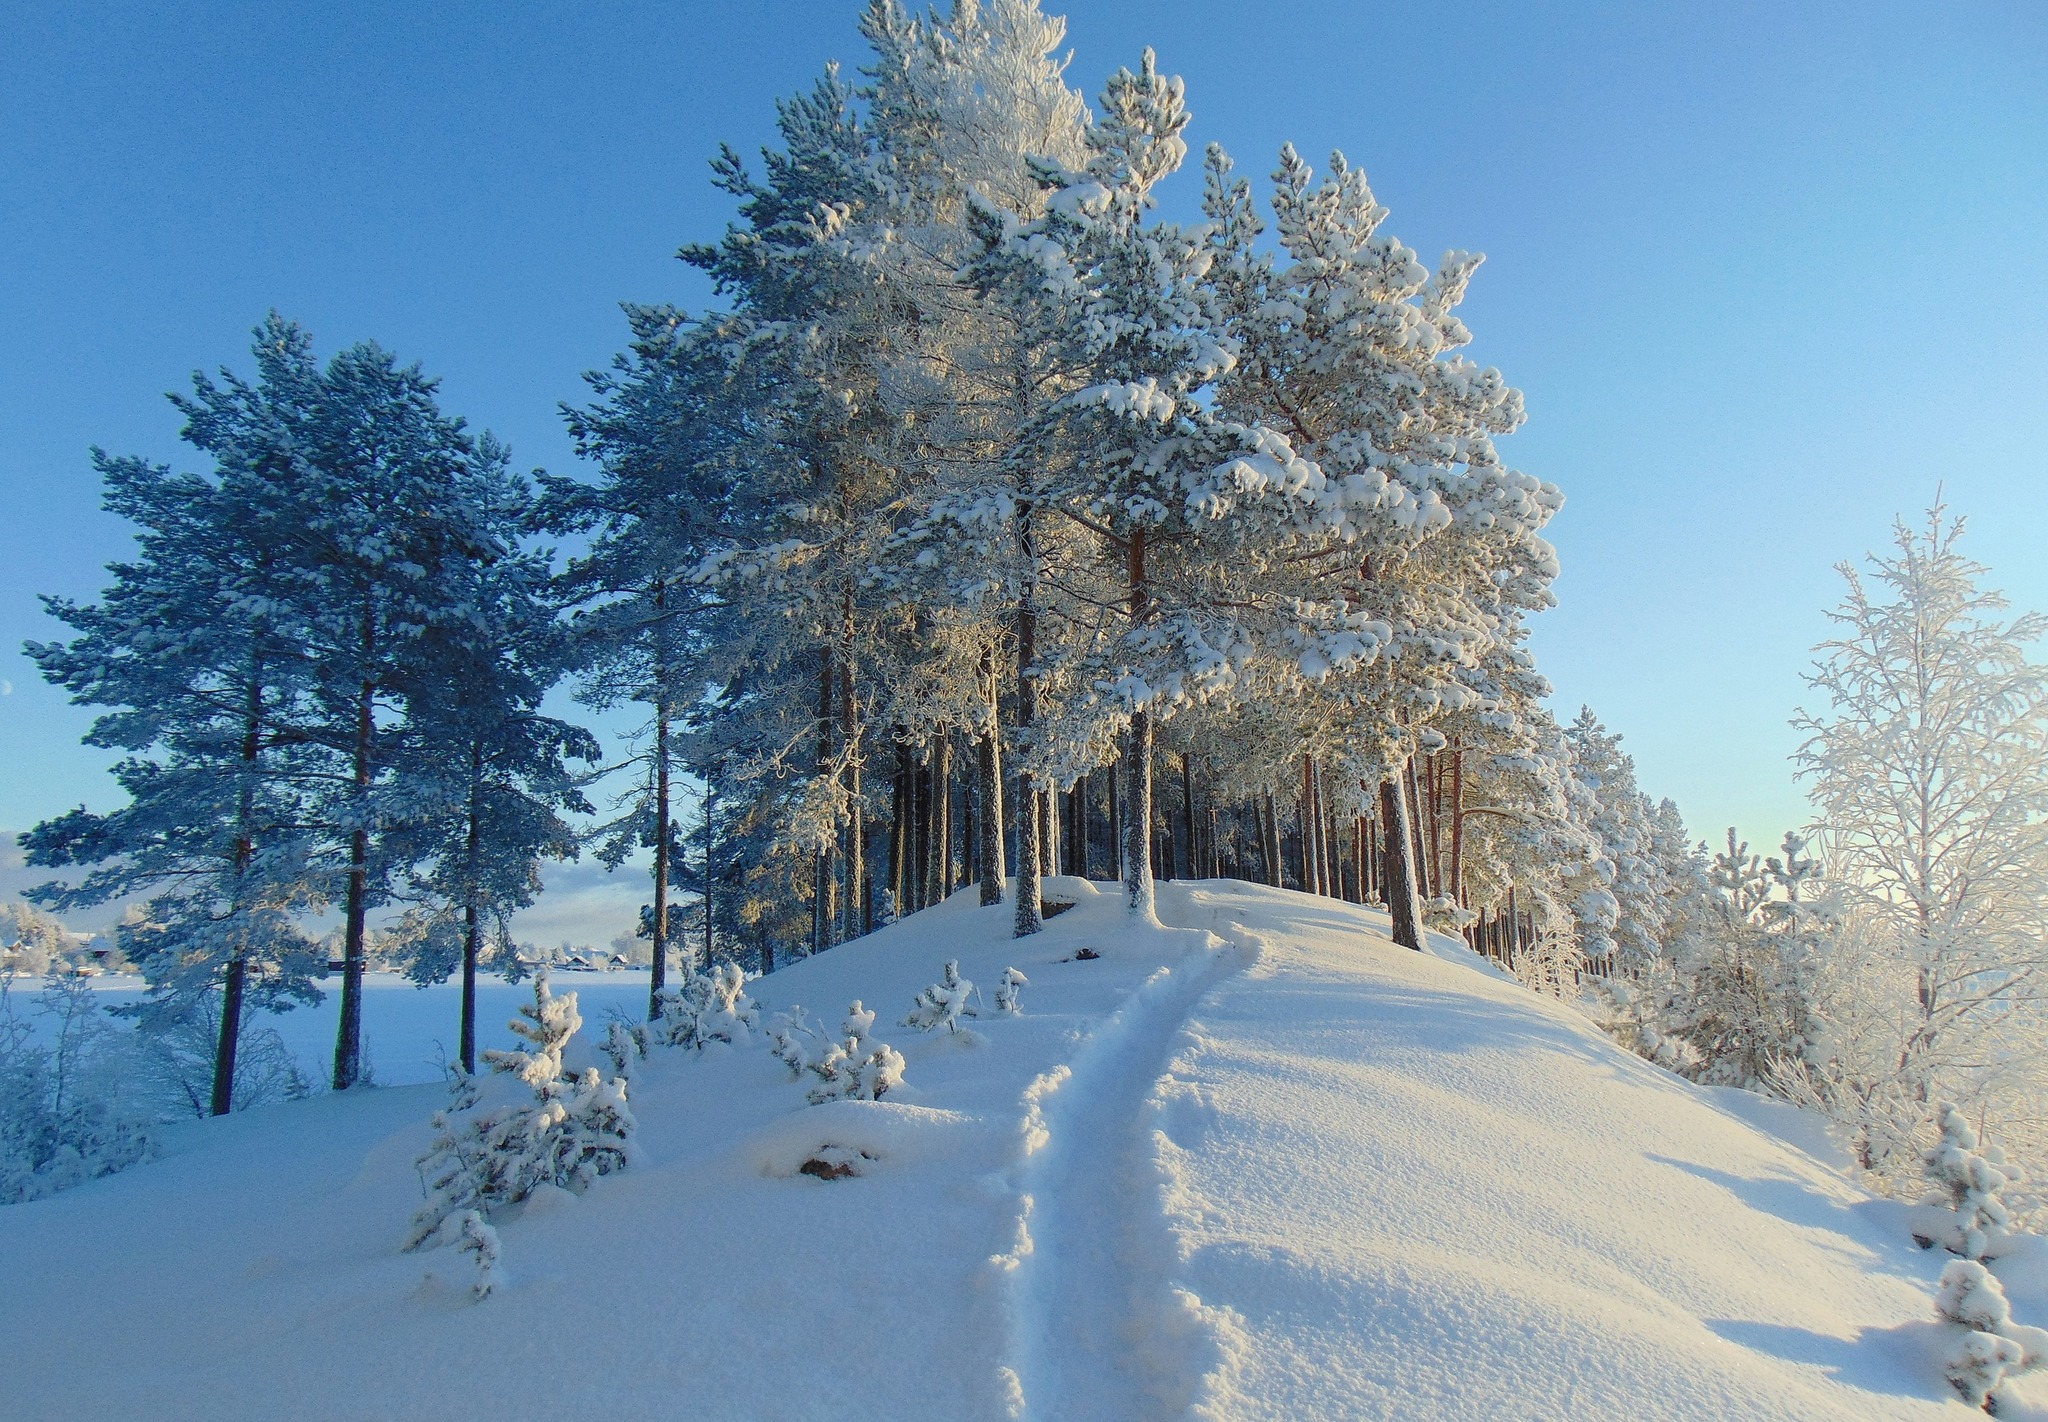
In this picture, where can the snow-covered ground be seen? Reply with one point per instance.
(1259, 1164)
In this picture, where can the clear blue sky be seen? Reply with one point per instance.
(1768, 273)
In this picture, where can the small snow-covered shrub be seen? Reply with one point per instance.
(944, 1003)
(625, 1046)
(475, 1236)
(1007, 992)
(709, 1007)
(64, 1118)
(855, 1069)
(577, 1127)
(796, 1040)
(1967, 1184)
(1446, 915)
(1988, 1346)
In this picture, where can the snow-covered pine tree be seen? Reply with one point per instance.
(1967, 1181)
(576, 1128)
(711, 1006)
(1009, 992)
(1928, 771)
(1136, 454)
(667, 491)
(197, 650)
(1989, 1346)
(488, 774)
(364, 500)
(1347, 346)
(857, 1068)
(943, 1003)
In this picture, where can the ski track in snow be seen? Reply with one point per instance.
(1102, 1329)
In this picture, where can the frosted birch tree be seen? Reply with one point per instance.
(1927, 766)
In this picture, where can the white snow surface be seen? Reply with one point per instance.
(1257, 1164)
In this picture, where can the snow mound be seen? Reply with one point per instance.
(1258, 1163)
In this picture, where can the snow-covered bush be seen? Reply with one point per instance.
(943, 1003)
(474, 1236)
(1967, 1183)
(708, 1007)
(1008, 991)
(577, 1128)
(64, 1118)
(1988, 1347)
(625, 1046)
(855, 1068)
(796, 1040)
(175, 1044)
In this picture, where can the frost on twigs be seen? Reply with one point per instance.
(709, 1007)
(1988, 1347)
(1007, 993)
(944, 1003)
(576, 1128)
(1963, 1212)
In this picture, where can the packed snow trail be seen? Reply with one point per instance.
(1099, 1332)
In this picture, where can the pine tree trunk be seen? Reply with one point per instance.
(1140, 899)
(465, 1050)
(857, 913)
(1116, 816)
(1458, 826)
(657, 977)
(990, 772)
(825, 881)
(230, 1036)
(1403, 906)
(710, 847)
(1418, 855)
(228, 1043)
(1030, 912)
(348, 1037)
(942, 817)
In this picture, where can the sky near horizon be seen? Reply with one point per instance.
(1767, 274)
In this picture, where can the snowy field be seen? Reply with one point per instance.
(408, 1031)
(1260, 1164)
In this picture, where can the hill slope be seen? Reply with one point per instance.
(1260, 1164)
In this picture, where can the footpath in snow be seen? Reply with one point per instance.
(1256, 1164)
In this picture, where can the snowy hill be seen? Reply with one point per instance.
(1260, 1164)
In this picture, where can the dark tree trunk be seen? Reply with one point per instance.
(825, 883)
(1403, 906)
(989, 821)
(1418, 854)
(856, 916)
(941, 882)
(465, 1050)
(228, 1043)
(1140, 899)
(348, 1037)
(230, 1036)
(1030, 913)
(1458, 825)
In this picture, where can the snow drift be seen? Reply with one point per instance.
(1258, 1164)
